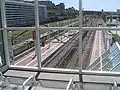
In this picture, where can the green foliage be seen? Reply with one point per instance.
(117, 38)
(23, 33)
(17, 34)
(60, 23)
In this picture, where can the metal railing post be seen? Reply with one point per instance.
(70, 85)
(5, 35)
(26, 81)
(115, 87)
(80, 40)
(38, 49)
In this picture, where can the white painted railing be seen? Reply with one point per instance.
(2, 80)
(24, 86)
(70, 85)
(115, 87)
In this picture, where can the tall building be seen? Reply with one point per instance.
(118, 10)
(61, 6)
(49, 4)
(22, 13)
(18, 0)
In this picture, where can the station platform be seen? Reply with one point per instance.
(98, 47)
(30, 60)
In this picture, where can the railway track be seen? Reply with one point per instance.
(60, 57)
(31, 44)
(53, 61)
(63, 56)
(73, 57)
(74, 61)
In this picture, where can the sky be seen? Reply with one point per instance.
(107, 5)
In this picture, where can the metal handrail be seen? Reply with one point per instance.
(70, 85)
(2, 79)
(46, 29)
(1, 74)
(115, 87)
(26, 81)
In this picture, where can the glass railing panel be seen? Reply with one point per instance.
(21, 44)
(61, 50)
(97, 17)
(99, 55)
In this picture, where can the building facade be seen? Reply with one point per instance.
(20, 13)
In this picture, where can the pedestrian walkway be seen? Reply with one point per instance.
(98, 46)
